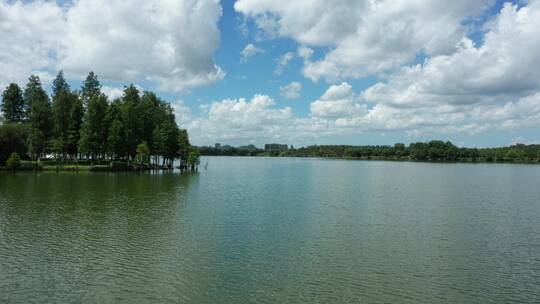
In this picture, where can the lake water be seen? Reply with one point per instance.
(274, 230)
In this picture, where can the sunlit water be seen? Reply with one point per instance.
(274, 230)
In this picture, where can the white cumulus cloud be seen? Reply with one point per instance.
(30, 38)
(461, 87)
(502, 69)
(292, 90)
(364, 37)
(339, 101)
(282, 61)
(241, 119)
(169, 43)
(248, 51)
(112, 92)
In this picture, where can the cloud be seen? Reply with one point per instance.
(156, 41)
(282, 62)
(30, 40)
(305, 53)
(182, 113)
(112, 92)
(117, 92)
(248, 51)
(291, 91)
(474, 89)
(498, 71)
(240, 119)
(340, 111)
(364, 37)
(339, 101)
(461, 86)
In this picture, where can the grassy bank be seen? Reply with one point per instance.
(83, 166)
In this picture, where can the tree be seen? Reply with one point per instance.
(159, 141)
(132, 119)
(512, 155)
(57, 146)
(75, 123)
(39, 115)
(183, 144)
(91, 88)
(63, 101)
(13, 105)
(60, 84)
(169, 133)
(116, 137)
(193, 159)
(143, 153)
(37, 143)
(13, 162)
(151, 108)
(94, 129)
(13, 138)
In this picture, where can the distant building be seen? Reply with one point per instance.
(275, 147)
(217, 145)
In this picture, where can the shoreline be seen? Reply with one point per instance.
(458, 161)
(33, 167)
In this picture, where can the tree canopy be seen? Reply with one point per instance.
(13, 105)
(435, 150)
(85, 124)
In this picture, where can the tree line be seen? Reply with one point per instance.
(226, 150)
(84, 124)
(435, 150)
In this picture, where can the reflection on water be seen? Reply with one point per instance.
(69, 237)
(266, 230)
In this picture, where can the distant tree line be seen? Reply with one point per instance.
(435, 150)
(69, 125)
(226, 150)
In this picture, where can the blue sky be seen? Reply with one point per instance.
(401, 71)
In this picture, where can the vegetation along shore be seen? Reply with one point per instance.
(84, 130)
(437, 151)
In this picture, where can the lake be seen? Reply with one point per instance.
(274, 230)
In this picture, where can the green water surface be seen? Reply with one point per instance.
(274, 230)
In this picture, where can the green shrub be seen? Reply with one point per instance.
(13, 162)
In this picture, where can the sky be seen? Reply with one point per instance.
(298, 72)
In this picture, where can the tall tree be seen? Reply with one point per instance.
(116, 137)
(132, 119)
(94, 129)
(116, 143)
(41, 123)
(60, 84)
(150, 108)
(91, 88)
(75, 123)
(143, 153)
(183, 144)
(63, 100)
(159, 142)
(171, 145)
(13, 105)
(194, 159)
